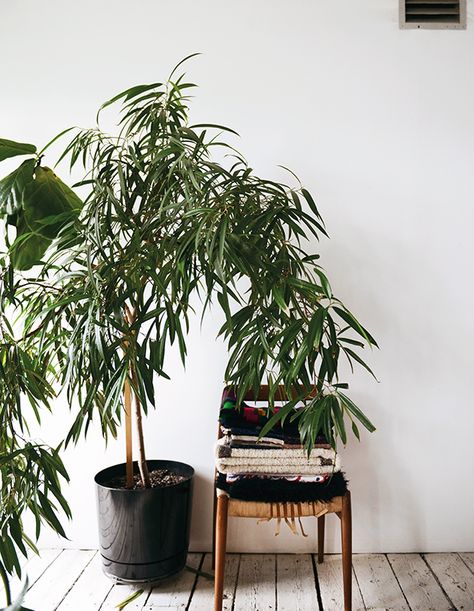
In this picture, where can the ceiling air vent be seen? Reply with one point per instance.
(434, 14)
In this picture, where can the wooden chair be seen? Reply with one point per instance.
(225, 506)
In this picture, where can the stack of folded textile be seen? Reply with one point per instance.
(274, 468)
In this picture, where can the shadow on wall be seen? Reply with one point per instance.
(381, 495)
(201, 521)
(415, 306)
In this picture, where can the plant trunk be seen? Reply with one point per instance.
(129, 317)
(142, 464)
(128, 434)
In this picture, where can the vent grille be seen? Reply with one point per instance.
(433, 14)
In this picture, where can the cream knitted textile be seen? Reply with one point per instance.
(274, 468)
(285, 462)
(224, 450)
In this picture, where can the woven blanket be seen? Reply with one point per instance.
(230, 478)
(254, 439)
(275, 435)
(313, 466)
(225, 449)
(232, 415)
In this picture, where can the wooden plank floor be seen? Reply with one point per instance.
(72, 580)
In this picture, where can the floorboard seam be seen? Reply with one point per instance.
(193, 588)
(146, 598)
(75, 581)
(276, 581)
(30, 585)
(464, 562)
(438, 582)
(316, 583)
(105, 598)
(354, 576)
(234, 593)
(397, 580)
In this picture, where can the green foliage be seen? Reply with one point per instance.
(30, 472)
(164, 220)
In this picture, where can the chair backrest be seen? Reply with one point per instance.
(280, 395)
(263, 394)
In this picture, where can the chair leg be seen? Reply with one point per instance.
(221, 537)
(346, 536)
(321, 524)
(214, 514)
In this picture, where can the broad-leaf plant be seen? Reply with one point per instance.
(30, 471)
(173, 212)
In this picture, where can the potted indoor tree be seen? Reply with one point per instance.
(162, 221)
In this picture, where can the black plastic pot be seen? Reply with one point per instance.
(144, 534)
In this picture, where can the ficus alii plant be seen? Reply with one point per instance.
(167, 216)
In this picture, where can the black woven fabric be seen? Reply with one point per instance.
(282, 491)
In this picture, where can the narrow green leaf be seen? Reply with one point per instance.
(357, 358)
(352, 407)
(181, 63)
(129, 599)
(127, 95)
(355, 430)
(354, 324)
(277, 417)
(316, 328)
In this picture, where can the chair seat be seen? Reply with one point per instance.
(251, 509)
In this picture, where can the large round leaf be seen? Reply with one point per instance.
(47, 205)
(12, 188)
(10, 148)
(28, 247)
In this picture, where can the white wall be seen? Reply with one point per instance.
(379, 124)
